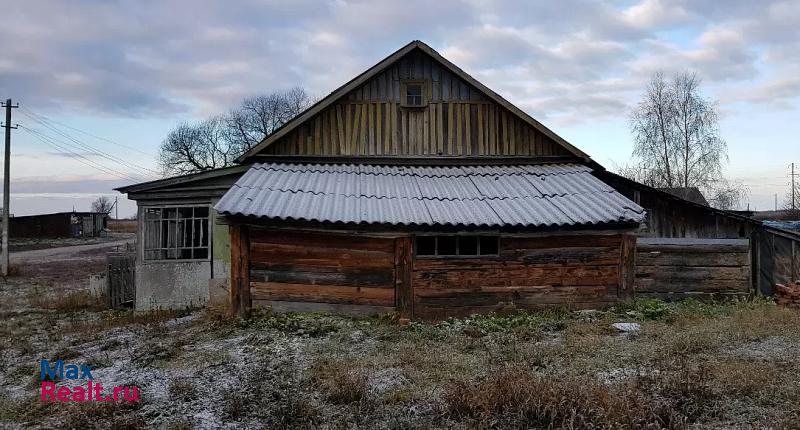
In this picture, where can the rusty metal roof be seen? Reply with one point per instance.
(554, 195)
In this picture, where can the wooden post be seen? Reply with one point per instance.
(240, 271)
(627, 266)
(404, 294)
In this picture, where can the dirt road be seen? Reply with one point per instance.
(68, 252)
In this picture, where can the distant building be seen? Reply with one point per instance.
(691, 194)
(61, 224)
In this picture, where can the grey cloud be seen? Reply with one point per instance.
(567, 59)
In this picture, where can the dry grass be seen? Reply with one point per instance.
(516, 397)
(110, 320)
(122, 225)
(718, 365)
(69, 301)
(340, 382)
(181, 390)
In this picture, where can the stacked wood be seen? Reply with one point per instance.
(788, 295)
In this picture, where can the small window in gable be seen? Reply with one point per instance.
(413, 94)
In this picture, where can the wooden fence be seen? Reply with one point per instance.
(777, 258)
(682, 268)
(121, 278)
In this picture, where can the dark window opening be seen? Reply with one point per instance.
(426, 245)
(446, 245)
(457, 246)
(490, 245)
(468, 245)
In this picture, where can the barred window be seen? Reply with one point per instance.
(176, 233)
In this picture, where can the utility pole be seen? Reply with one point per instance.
(6, 185)
(793, 188)
(116, 209)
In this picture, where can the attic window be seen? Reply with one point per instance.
(413, 94)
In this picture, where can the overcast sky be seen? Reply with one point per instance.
(121, 74)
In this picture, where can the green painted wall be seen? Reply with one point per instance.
(221, 240)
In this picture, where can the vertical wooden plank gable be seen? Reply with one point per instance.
(458, 121)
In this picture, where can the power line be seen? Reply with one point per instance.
(90, 134)
(43, 121)
(48, 140)
(86, 146)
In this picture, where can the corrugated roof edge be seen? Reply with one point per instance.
(428, 226)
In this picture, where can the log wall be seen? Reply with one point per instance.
(682, 268)
(582, 271)
(289, 268)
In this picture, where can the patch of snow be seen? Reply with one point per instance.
(387, 379)
(627, 327)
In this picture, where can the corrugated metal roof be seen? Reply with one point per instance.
(488, 196)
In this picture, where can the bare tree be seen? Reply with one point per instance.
(789, 199)
(197, 147)
(218, 141)
(677, 141)
(258, 116)
(102, 205)
(727, 195)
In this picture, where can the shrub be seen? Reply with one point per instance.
(529, 324)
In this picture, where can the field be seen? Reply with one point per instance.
(692, 365)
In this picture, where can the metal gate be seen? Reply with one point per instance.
(121, 278)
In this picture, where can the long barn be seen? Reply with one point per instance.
(412, 188)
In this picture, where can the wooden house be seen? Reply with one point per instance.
(413, 187)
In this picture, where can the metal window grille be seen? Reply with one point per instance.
(176, 233)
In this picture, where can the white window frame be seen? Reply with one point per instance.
(193, 220)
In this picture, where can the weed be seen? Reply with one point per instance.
(181, 390)
(341, 383)
(119, 318)
(528, 325)
(66, 354)
(112, 415)
(291, 323)
(234, 405)
(181, 424)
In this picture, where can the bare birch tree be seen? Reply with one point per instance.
(677, 141)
